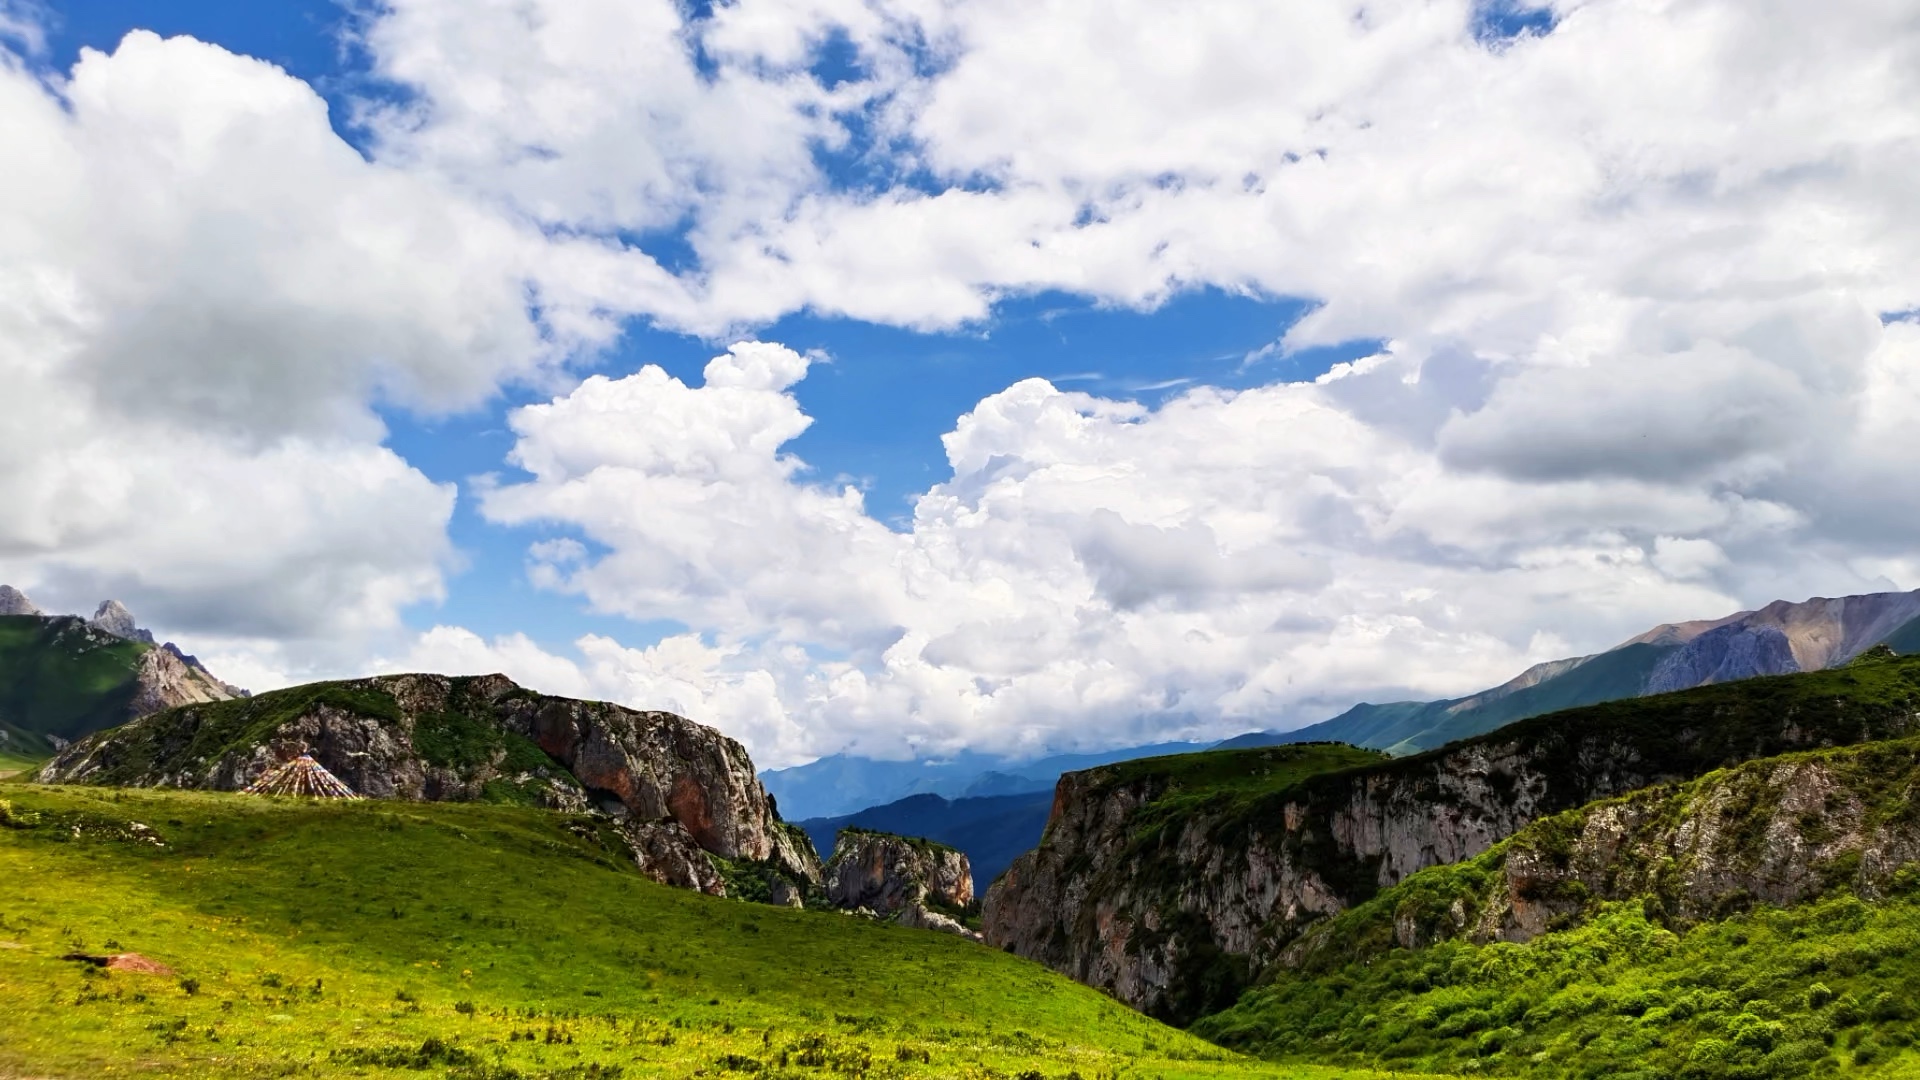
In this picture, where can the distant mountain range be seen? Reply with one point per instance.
(843, 784)
(63, 677)
(1778, 639)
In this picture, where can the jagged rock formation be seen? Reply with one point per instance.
(112, 617)
(166, 677)
(431, 737)
(887, 873)
(1174, 912)
(15, 602)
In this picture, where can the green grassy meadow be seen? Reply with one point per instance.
(12, 763)
(483, 942)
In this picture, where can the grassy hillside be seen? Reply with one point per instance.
(1825, 988)
(11, 763)
(1905, 640)
(1406, 727)
(170, 741)
(1642, 976)
(59, 677)
(485, 943)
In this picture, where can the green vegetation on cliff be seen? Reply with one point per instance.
(1660, 951)
(169, 741)
(59, 677)
(1816, 989)
(1228, 786)
(482, 942)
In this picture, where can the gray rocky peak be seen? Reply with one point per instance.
(114, 618)
(166, 677)
(15, 602)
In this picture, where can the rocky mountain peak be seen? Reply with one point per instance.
(112, 617)
(15, 602)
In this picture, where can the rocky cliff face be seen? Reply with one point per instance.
(1175, 912)
(430, 737)
(165, 678)
(885, 872)
(1778, 832)
(915, 882)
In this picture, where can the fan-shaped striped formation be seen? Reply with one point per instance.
(302, 776)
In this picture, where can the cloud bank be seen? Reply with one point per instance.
(1643, 277)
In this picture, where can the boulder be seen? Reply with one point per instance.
(920, 917)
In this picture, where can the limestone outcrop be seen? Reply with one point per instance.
(666, 852)
(112, 617)
(887, 873)
(920, 917)
(165, 678)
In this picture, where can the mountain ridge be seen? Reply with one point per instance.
(63, 677)
(1778, 638)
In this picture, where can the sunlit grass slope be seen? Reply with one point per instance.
(12, 763)
(485, 943)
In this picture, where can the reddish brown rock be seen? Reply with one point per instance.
(431, 737)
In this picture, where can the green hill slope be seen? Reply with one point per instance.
(486, 943)
(1759, 921)
(60, 677)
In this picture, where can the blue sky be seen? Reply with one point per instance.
(879, 407)
(1387, 348)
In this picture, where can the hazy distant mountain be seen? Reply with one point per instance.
(992, 830)
(843, 784)
(1777, 639)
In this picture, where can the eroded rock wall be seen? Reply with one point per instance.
(1177, 918)
(887, 873)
